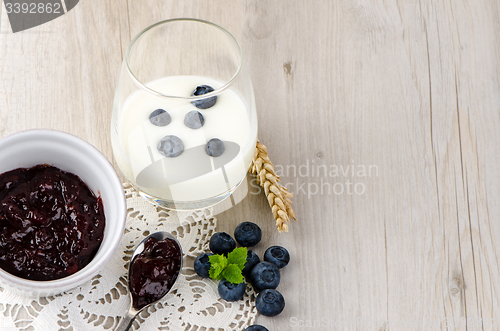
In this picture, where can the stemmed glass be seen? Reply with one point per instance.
(184, 125)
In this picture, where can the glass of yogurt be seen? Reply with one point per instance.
(184, 124)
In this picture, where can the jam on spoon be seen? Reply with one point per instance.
(154, 271)
(154, 268)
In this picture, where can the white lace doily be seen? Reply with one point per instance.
(193, 304)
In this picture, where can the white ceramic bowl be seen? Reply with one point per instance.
(69, 153)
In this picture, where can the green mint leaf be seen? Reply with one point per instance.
(233, 274)
(238, 256)
(215, 272)
(217, 265)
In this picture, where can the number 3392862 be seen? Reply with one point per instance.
(33, 8)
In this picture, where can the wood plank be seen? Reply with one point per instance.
(408, 88)
(61, 75)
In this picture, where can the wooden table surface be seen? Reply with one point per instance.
(399, 101)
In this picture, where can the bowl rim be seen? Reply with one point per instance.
(90, 270)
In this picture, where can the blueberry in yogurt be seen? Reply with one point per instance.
(194, 119)
(170, 146)
(215, 147)
(160, 117)
(204, 103)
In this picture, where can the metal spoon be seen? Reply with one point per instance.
(128, 319)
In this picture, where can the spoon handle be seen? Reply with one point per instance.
(126, 321)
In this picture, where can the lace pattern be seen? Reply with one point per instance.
(193, 304)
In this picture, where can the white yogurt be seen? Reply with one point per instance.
(193, 175)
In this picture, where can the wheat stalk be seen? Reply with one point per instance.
(277, 195)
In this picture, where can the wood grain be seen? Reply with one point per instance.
(409, 88)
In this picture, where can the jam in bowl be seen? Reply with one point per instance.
(62, 212)
(51, 224)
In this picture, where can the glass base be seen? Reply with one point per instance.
(187, 205)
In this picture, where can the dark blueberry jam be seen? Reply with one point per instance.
(154, 271)
(51, 224)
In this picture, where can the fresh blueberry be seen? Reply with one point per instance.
(277, 255)
(202, 264)
(265, 275)
(170, 146)
(231, 292)
(256, 327)
(203, 103)
(252, 260)
(215, 147)
(248, 234)
(160, 117)
(222, 243)
(270, 303)
(194, 119)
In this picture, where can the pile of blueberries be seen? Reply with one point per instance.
(264, 276)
